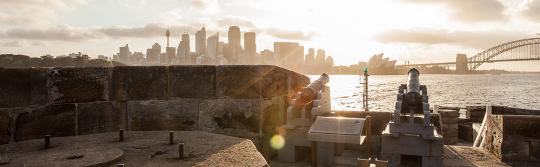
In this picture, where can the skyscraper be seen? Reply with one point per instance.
(288, 54)
(329, 62)
(124, 54)
(184, 50)
(200, 42)
(154, 55)
(233, 46)
(213, 49)
(250, 48)
(310, 57)
(168, 34)
(171, 55)
(320, 59)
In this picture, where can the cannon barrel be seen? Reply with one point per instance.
(310, 92)
(413, 81)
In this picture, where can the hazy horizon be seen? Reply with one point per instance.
(419, 31)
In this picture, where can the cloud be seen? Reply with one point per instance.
(468, 39)
(209, 6)
(60, 33)
(33, 12)
(289, 34)
(77, 34)
(22, 43)
(533, 10)
(235, 21)
(470, 11)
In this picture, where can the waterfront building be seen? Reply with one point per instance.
(289, 54)
(310, 57)
(250, 48)
(234, 48)
(184, 50)
(212, 49)
(171, 55)
(200, 41)
(124, 54)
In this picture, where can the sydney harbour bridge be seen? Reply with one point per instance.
(519, 50)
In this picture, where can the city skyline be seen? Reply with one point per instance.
(212, 51)
(419, 31)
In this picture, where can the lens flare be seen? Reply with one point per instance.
(277, 142)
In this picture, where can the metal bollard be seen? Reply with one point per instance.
(47, 141)
(181, 151)
(171, 137)
(121, 135)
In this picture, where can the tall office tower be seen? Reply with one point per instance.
(124, 54)
(212, 50)
(168, 34)
(288, 54)
(148, 55)
(267, 57)
(250, 48)
(310, 57)
(184, 52)
(233, 46)
(329, 63)
(320, 59)
(137, 57)
(171, 55)
(200, 42)
(156, 51)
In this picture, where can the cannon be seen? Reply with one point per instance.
(412, 95)
(309, 93)
(411, 123)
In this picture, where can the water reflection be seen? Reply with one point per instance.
(516, 90)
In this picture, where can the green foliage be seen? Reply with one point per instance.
(11, 60)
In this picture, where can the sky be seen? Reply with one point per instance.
(419, 31)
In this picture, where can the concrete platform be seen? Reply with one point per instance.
(454, 156)
(461, 156)
(140, 148)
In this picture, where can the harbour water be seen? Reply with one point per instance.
(515, 90)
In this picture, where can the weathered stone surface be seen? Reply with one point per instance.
(97, 117)
(140, 148)
(476, 113)
(519, 131)
(162, 114)
(55, 120)
(192, 82)
(23, 87)
(379, 119)
(465, 132)
(251, 82)
(79, 84)
(140, 83)
(513, 137)
(273, 113)
(449, 126)
(5, 122)
(230, 114)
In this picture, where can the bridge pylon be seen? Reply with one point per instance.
(462, 62)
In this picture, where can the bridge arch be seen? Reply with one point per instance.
(487, 55)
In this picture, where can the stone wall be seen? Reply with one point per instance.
(476, 113)
(513, 137)
(244, 101)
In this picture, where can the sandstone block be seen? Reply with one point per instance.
(55, 120)
(23, 86)
(162, 114)
(192, 81)
(140, 83)
(79, 84)
(97, 117)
